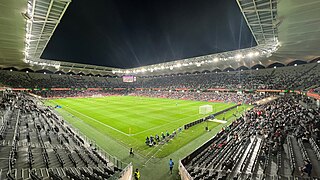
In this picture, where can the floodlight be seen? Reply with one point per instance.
(238, 56)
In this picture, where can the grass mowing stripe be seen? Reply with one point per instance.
(97, 121)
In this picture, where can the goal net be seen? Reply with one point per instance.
(205, 109)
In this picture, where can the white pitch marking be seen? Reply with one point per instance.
(99, 122)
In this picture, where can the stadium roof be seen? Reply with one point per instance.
(284, 31)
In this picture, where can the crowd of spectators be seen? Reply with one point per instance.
(290, 77)
(279, 124)
(285, 116)
(228, 97)
(311, 79)
(76, 93)
(277, 119)
(231, 97)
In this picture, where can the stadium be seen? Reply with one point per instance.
(161, 90)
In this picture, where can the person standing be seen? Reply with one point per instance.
(131, 152)
(171, 163)
(137, 175)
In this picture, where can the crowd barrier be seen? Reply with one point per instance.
(187, 126)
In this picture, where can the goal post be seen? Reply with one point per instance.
(205, 109)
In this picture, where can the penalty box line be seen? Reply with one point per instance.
(100, 122)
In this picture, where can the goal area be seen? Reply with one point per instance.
(205, 109)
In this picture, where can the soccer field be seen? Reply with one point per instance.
(129, 119)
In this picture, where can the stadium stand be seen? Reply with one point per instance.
(36, 144)
(270, 141)
(290, 77)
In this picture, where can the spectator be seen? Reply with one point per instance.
(306, 169)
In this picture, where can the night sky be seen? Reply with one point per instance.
(132, 33)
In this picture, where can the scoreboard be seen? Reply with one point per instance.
(129, 78)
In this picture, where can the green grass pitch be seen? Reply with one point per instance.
(129, 120)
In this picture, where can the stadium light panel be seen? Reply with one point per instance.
(318, 61)
(239, 56)
(241, 69)
(59, 74)
(257, 69)
(275, 67)
(11, 70)
(27, 71)
(295, 64)
(44, 73)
